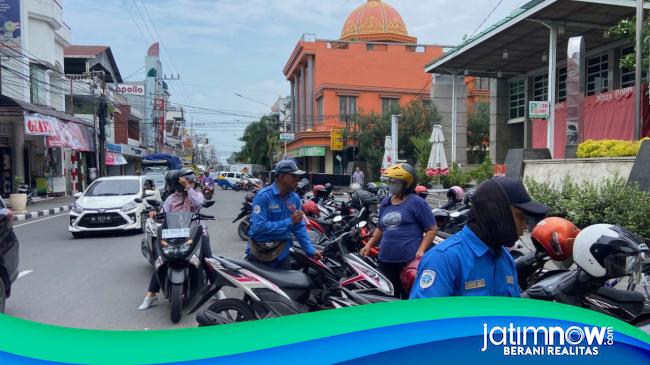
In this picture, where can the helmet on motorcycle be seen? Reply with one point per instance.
(249, 197)
(361, 198)
(456, 192)
(319, 191)
(422, 191)
(329, 188)
(607, 251)
(555, 236)
(408, 275)
(441, 216)
(403, 172)
(372, 187)
(311, 208)
(468, 197)
(355, 186)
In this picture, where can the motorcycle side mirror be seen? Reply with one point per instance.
(138, 200)
(208, 203)
(337, 219)
(362, 224)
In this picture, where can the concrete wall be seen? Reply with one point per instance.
(503, 136)
(441, 96)
(580, 170)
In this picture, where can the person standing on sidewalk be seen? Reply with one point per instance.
(358, 177)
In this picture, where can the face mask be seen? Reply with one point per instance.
(396, 188)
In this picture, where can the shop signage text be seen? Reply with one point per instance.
(40, 125)
(131, 89)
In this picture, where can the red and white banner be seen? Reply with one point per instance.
(114, 159)
(74, 136)
(41, 125)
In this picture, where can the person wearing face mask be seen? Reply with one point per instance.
(476, 261)
(406, 226)
(277, 214)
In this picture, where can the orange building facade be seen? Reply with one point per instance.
(375, 65)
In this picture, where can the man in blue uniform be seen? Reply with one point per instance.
(277, 213)
(476, 260)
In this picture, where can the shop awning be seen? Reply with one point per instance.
(516, 44)
(7, 102)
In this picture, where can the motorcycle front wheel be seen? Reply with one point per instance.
(176, 300)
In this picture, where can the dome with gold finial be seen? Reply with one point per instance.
(376, 21)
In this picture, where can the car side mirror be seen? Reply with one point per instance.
(77, 195)
(138, 200)
(149, 193)
(208, 203)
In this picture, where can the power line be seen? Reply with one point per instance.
(486, 18)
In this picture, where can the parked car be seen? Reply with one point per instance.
(8, 254)
(236, 177)
(108, 204)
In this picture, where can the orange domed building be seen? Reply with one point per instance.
(374, 66)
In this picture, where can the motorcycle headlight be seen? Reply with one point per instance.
(77, 208)
(129, 206)
(172, 250)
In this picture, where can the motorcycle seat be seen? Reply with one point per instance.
(324, 223)
(281, 278)
(621, 296)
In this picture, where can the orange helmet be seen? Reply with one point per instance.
(555, 236)
(310, 208)
(421, 189)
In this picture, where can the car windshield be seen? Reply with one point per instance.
(157, 178)
(178, 219)
(113, 188)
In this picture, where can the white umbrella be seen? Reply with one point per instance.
(388, 156)
(437, 164)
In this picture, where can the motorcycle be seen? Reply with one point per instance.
(179, 266)
(25, 189)
(208, 191)
(150, 233)
(245, 216)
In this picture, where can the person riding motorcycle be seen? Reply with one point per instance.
(406, 227)
(277, 213)
(476, 260)
(455, 196)
(183, 199)
(207, 179)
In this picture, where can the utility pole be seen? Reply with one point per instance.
(394, 125)
(637, 69)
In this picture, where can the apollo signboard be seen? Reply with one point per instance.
(130, 89)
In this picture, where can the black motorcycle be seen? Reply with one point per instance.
(179, 266)
(245, 216)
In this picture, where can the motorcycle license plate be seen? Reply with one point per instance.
(175, 233)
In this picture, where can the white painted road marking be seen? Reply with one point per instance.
(38, 220)
(23, 273)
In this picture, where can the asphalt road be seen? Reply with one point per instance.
(98, 282)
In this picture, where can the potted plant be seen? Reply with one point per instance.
(18, 201)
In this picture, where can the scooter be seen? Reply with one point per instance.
(208, 191)
(25, 189)
(152, 226)
(245, 216)
(179, 266)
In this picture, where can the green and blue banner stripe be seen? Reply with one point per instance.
(443, 330)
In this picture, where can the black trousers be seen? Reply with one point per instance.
(393, 270)
(284, 264)
(206, 251)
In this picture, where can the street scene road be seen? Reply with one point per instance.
(98, 281)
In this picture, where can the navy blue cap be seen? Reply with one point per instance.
(287, 167)
(518, 196)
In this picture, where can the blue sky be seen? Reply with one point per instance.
(223, 47)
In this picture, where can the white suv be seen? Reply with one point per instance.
(109, 203)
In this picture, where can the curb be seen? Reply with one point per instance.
(41, 213)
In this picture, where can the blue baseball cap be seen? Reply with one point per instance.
(287, 167)
(518, 196)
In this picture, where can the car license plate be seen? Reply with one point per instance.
(100, 219)
(175, 233)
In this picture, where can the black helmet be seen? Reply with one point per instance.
(372, 188)
(329, 188)
(171, 181)
(249, 197)
(362, 198)
(468, 197)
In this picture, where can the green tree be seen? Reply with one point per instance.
(626, 29)
(478, 133)
(261, 141)
(416, 121)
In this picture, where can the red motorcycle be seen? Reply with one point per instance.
(208, 191)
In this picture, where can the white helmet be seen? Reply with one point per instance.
(355, 186)
(604, 250)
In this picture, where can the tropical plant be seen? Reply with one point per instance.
(478, 133)
(261, 141)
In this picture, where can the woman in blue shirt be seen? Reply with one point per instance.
(406, 227)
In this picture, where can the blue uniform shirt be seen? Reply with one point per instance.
(464, 265)
(271, 220)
